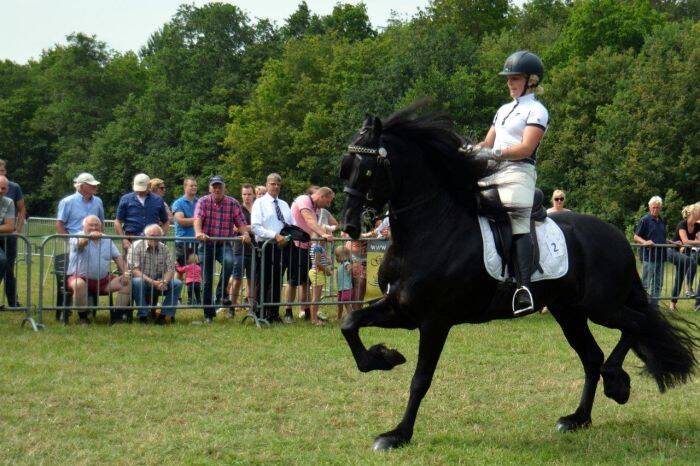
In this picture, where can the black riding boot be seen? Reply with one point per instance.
(522, 299)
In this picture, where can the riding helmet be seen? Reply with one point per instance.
(523, 62)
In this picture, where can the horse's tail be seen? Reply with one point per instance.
(665, 344)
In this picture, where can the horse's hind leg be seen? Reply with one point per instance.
(579, 336)
(432, 339)
(616, 382)
(378, 357)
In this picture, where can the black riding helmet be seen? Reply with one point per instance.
(524, 62)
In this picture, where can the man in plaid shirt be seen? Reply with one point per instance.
(219, 216)
(153, 275)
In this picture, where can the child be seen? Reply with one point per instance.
(320, 269)
(193, 278)
(344, 279)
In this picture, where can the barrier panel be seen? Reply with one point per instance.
(127, 273)
(16, 277)
(307, 276)
(669, 271)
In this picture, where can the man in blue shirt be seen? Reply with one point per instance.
(650, 231)
(74, 208)
(14, 192)
(138, 209)
(183, 214)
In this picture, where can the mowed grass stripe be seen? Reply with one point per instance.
(292, 395)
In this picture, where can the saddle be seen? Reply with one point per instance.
(489, 205)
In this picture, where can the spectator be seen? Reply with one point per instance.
(268, 216)
(320, 270)
(382, 230)
(242, 254)
(193, 278)
(73, 209)
(153, 274)
(7, 222)
(358, 254)
(14, 192)
(651, 231)
(344, 279)
(157, 186)
(183, 215)
(138, 209)
(88, 268)
(305, 210)
(260, 191)
(684, 258)
(216, 215)
(558, 199)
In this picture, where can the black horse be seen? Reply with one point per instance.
(436, 278)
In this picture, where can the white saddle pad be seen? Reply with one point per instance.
(554, 258)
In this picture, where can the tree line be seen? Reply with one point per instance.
(213, 91)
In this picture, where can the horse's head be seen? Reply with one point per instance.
(365, 170)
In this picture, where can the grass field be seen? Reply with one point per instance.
(234, 394)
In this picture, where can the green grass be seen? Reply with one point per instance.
(234, 394)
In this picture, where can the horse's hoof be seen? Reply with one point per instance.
(389, 442)
(379, 357)
(572, 423)
(616, 385)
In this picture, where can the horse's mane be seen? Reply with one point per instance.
(434, 132)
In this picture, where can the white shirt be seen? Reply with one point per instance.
(263, 217)
(512, 118)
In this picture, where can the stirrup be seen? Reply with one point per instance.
(530, 308)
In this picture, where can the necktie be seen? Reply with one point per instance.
(278, 211)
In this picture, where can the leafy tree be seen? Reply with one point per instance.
(644, 144)
(616, 24)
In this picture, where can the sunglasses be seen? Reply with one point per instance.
(559, 199)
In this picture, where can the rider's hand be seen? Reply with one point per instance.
(481, 152)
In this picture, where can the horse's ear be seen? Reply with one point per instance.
(377, 127)
(368, 121)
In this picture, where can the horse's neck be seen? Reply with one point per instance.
(439, 220)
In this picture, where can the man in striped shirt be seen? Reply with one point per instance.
(217, 216)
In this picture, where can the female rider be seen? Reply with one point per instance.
(512, 141)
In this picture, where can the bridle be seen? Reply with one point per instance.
(381, 155)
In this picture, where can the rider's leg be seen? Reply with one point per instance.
(522, 301)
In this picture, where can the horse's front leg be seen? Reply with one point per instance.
(432, 339)
(378, 314)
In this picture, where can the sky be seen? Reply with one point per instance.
(29, 26)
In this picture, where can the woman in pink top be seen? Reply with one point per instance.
(304, 215)
(193, 278)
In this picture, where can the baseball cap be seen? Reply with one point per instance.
(86, 178)
(216, 179)
(141, 182)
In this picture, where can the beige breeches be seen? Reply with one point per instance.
(516, 187)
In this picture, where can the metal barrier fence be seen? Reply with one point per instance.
(65, 273)
(120, 274)
(16, 273)
(669, 271)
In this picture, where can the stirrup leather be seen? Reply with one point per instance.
(530, 308)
